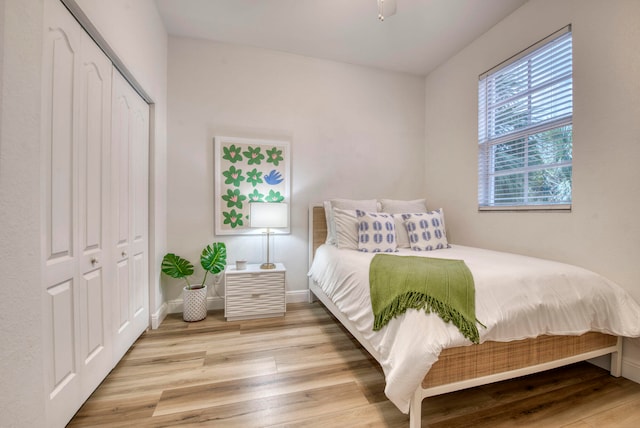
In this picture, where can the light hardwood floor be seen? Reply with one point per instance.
(304, 370)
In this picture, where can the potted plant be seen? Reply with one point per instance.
(194, 296)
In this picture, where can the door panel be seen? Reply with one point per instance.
(92, 186)
(94, 131)
(64, 50)
(94, 344)
(140, 174)
(123, 296)
(139, 284)
(121, 176)
(121, 218)
(130, 172)
(60, 92)
(62, 330)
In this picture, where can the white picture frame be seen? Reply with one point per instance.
(248, 170)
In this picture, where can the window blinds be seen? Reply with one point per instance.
(525, 111)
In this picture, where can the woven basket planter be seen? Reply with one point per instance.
(194, 304)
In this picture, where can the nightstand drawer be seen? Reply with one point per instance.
(246, 283)
(256, 304)
(245, 290)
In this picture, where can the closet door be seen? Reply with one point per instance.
(129, 202)
(76, 129)
(94, 214)
(61, 64)
(94, 280)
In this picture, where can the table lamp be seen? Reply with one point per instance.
(268, 215)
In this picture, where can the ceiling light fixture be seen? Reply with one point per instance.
(386, 8)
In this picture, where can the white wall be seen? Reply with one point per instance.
(135, 31)
(21, 365)
(602, 232)
(355, 132)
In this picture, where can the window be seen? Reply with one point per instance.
(525, 109)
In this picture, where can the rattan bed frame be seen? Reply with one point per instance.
(469, 366)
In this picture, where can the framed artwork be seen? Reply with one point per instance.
(248, 170)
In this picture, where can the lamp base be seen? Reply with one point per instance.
(267, 266)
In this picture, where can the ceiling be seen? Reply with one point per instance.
(419, 37)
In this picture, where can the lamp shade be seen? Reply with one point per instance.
(269, 214)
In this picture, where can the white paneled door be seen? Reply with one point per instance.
(129, 212)
(95, 139)
(94, 286)
(61, 94)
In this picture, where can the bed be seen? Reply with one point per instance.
(465, 365)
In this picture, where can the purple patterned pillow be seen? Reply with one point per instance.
(376, 232)
(426, 230)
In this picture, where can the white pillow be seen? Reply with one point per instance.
(346, 223)
(370, 205)
(376, 232)
(394, 206)
(426, 230)
(402, 238)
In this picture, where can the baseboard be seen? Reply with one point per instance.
(158, 316)
(213, 302)
(631, 370)
(297, 296)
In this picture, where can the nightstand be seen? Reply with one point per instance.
(254, 292)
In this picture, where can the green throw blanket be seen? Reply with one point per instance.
(436, 285)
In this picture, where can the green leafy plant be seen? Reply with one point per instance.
(212, 259)
(177, 267)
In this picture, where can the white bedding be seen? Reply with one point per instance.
(517, 297)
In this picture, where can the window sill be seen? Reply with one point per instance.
(527, 208)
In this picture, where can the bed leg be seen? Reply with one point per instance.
(415, 410)
(310, 296)
(616, 360)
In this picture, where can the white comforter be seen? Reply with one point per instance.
(516, 297)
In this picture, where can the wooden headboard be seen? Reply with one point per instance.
(317, 229)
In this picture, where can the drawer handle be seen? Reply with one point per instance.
(256, 295)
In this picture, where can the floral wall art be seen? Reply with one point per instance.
(248, 170)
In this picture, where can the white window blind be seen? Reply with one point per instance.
(525, 114)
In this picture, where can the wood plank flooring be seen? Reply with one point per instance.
(305, 370)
